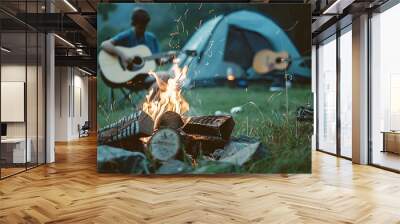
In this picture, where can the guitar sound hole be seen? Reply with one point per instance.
(137, 61)
(135, 64)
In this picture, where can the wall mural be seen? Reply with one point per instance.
(204, 88)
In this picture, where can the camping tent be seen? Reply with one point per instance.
(227, 43)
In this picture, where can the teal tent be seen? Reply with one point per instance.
(226, 45)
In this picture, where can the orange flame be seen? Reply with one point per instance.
(168, 96)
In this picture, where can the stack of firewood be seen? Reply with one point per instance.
(200, 135)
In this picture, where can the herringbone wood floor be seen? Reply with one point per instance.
(71, 191)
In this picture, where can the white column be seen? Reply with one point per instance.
(50, 100)
(314, 91)
(50, 92)
(360, 90)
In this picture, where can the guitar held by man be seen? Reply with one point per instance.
(138, 60)
(131, 52)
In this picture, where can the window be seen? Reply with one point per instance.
(346, 92)
(385, 89)
(327, 96)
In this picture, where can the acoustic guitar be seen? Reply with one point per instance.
(142, 61)
(266, 61)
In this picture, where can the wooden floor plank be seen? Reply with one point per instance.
(71, 191)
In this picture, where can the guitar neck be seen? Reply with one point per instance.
(296, 59)
(159, 55)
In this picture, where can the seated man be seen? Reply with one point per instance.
(137, 35)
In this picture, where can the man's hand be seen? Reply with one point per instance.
(125, 60)
(109, 46)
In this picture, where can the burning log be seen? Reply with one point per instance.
(220, 127)
(126, 132)
(200, 135)
(165, 144)
(208, 133)
(166, 96)
(170, 120)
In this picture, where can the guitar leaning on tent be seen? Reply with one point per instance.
(142, 61)
(266, 61)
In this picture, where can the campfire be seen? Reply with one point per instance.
(163, 131)
(167, 96)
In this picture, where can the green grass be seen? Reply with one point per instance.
(269, 117)
(264, 117)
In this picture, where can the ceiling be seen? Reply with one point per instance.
(75, 22)
(337, 14)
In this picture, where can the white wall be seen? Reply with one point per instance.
(14, 73)
(71, 93)
(33, 127)
(61, 103)
(13, 101)
(80, 94)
